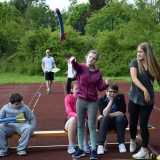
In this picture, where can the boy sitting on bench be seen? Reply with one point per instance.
(112, 108)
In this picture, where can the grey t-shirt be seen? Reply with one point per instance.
(136, 95)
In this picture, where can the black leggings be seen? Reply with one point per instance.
(136, 111)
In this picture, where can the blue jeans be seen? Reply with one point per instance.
(112, 123)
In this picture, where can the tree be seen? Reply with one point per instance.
(76, 16)
(42, 16)
(108, 18)
(21, 5)
(95, 5)
(73, 3)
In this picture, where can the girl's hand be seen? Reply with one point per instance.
(99, 117)
(72, 59)
(146, 96)
(107, 81)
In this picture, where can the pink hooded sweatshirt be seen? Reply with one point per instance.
(70, 104)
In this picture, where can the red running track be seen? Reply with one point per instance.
(50, 113)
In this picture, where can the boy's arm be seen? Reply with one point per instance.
(115, 114)
(101, 105)
(2, 113)
(30, 117)
(121, 107)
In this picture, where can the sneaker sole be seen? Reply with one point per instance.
(100, 153)
(93, 158)
(82, 155)
(71, 152)
(141, 158)
(123, 152)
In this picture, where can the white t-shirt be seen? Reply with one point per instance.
(71, 71)
(48, 63)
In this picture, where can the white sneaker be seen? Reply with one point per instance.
(122, 148)
(100, 149)
(141, 155)
(133, 145)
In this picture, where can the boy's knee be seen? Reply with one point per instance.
(120, 119)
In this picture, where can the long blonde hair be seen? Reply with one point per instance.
(152, 63)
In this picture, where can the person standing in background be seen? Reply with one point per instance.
(71, 74)
(143, 70)
(48, 63)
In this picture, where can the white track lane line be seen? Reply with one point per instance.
(37, 92)
(64, 88)
(10, 91)
(36, 101)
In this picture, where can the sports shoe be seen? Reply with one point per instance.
(79, 153)
(133, 145)
(48, 92)
(122, 148)
(21, 153)
(3, 154)
(71, 149)
(86, 148)
(141, 155)
(93, 155)
(100, 149)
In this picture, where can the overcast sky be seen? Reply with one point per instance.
(61, 4)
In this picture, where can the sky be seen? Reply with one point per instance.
(61, 4)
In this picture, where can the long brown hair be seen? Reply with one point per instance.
(152, 63)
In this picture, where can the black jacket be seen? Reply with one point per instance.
(120, 101)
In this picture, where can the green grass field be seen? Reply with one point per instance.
(12, 78)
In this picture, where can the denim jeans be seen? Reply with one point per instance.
(112, 123)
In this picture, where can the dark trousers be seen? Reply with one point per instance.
(68, 87)
(136, 111)
(112, 123)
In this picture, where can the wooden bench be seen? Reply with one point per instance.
(62, 133)
(58, 133)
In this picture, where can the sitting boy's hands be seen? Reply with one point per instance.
(5, 123)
